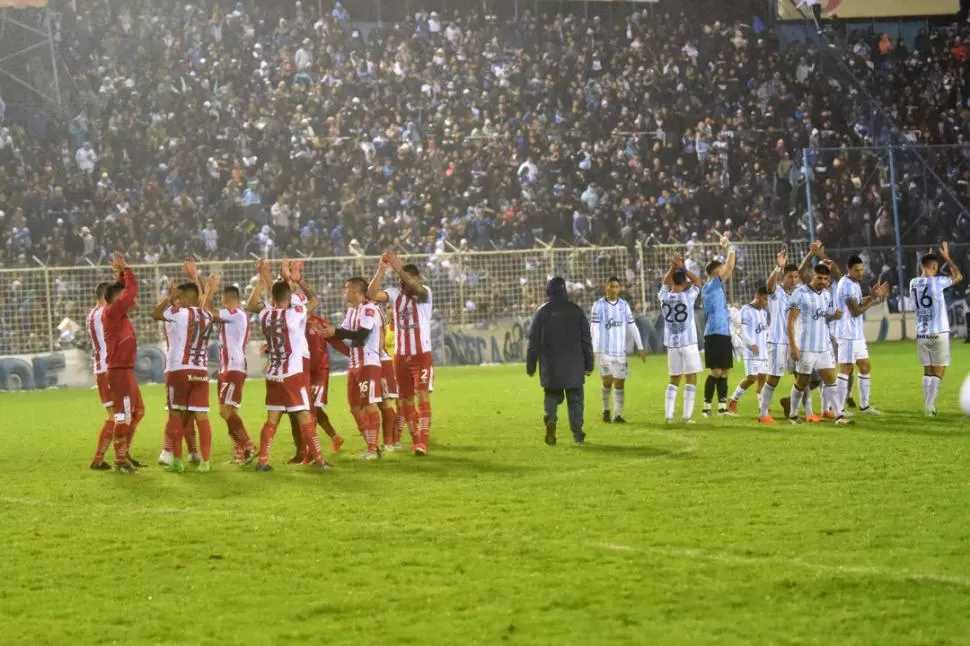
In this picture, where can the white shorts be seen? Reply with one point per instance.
(934, 350)
(811, 361)
(779, 360)
(683, 361)
(755, 367)
(852, 350)
(616, 367)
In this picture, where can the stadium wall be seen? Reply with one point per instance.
(501, 342)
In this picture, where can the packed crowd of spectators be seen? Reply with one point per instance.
(232, 132)
(225, 133)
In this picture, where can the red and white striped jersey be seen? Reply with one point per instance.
(365, 316)
(412, 322)
(285, 333)
(99, 349)
(188, 330)
(233, 339)
(382, 319)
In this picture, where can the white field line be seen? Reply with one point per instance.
(796, 562)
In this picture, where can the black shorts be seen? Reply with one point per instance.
(718, 352)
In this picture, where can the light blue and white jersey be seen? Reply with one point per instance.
(813, 308)
(715, 308)
(778, 305)
(927, 295)
(609, 322)
(833, 291)
(850, 327)
(754, 326)
(677, 309)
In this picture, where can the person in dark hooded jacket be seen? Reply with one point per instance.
(560, 343)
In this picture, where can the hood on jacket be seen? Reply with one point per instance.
(556, 289)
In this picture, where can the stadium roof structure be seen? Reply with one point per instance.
(21, 4)
(28, 58)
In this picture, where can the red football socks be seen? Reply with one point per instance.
(388, 419)
(173, 435)
(424, 420)
(266, 441)
(324, 421)
(104, 440)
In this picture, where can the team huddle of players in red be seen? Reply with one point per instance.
(385, 394)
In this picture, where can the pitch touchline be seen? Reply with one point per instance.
(735, 559)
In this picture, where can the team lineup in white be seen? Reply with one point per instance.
(807, 320)
(385, 394)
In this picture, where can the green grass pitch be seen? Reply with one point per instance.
(720, 533)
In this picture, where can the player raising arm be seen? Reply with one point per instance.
(678, 295)
(811, 349)
(933, 322)
(362, 330)
(233, 323)
(119, 336)
(411, 304)
(852, 349)
(284, 328)
(781, 283)
(188, 327)
(99, 359)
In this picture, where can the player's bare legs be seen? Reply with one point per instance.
(605, 393)
(104, 442)
(243, 447)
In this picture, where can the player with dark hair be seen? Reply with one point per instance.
(611, 323)
(99, 359)
(852, 349)
(233, 322)
(412, 307)
(933, 322)
(188, 325)
(754, 331)
(678, 295)
(811, 347)
(781, 284)
(362, 330)
(122, 347)
(718, 351)
(284, 328)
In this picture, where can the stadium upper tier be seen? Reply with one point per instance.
(231, 134)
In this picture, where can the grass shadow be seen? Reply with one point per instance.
(629, 451)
